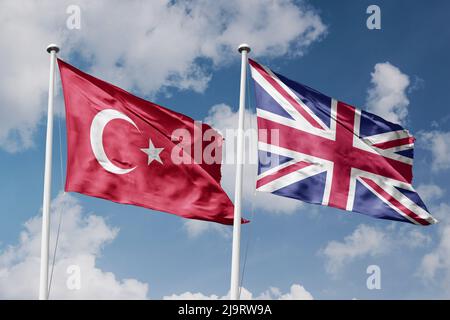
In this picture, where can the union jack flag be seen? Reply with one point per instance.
(320, 150)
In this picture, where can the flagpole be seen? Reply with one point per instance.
(43, 279)
(244, 49)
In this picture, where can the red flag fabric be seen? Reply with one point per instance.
(129, 150)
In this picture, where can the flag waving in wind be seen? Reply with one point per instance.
(128, 150)
(319, 150)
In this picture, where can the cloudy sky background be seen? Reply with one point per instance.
(183, 56)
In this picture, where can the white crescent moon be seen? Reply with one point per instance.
(98, 124)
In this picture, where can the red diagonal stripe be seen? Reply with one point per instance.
(286, 95)
(394, 201)
(394, 143)
(278, 174)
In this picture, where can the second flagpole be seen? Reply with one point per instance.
(244, 49)
(43, 279)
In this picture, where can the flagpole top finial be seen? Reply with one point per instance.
(244, 47)
(52, 47)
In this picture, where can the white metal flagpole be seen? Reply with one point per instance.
(244, 49)
(43, 280)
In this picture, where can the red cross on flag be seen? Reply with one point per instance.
(320, 150)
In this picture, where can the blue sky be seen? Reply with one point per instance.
(194, 66)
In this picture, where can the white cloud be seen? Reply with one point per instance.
(438, 143)
(81, 241)
(25, 31)
(195, 228)
(387, 95)
(191, 296)
(364, 241)
(429, 192)
(144, 46)
(367, 241)
(442, 211)
(435, 265)
(411, 239)
(296, 292)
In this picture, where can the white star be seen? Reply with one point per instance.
(152, 152)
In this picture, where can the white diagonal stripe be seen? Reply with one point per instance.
(387, 136)
(389, 186)
(388, 203)
(291, 178)
(320, 165)
(300, 124)
(277, 168)
(296, 98)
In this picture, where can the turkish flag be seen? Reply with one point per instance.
(128, 150)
